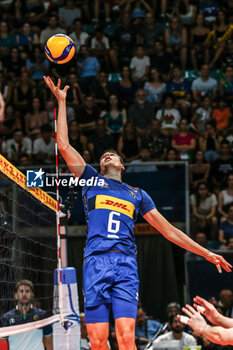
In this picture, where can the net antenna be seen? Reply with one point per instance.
(59, 262)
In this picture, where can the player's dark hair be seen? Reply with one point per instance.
(112, 150)
(24, 283)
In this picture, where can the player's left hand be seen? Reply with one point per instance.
(219, 261)
(196, 321)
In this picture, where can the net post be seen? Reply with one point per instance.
(67, 335)
(64, 256)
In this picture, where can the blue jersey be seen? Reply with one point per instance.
(111, 211)
(180, 90)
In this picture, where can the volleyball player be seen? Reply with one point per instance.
(110, 267)
(222, 333)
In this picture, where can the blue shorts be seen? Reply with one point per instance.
(120, 308)
(109, 276)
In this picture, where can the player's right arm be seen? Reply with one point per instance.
(74, 160)
(182, 240)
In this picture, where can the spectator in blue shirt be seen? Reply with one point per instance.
(38, 64)
(7, 40)
(26, 38)
(89, 68)
(226, 227)
(209, 9)
(145, 328)
(181, 88)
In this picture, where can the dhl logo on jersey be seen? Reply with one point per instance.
(116, 204)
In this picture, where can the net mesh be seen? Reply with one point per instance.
(27, 245)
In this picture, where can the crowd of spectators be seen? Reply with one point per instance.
(153, 79)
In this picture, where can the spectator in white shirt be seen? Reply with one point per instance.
(44, 149)
(185, 339)
(204, 85)
(18, 145)
(168, 115)
(140, 65)
(100, 47)
(78, 36)
(51, 30)
(99, 41)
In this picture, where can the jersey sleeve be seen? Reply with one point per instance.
(88, 174)
(89, 171)
(147, 203)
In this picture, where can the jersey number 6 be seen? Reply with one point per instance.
(113, 225)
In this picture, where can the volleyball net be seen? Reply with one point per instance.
(28, 248)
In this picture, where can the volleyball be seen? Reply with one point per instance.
(59, 48)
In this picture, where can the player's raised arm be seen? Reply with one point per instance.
(73, 159)
(181, 239)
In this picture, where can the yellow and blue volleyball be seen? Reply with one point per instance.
(59, 48)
